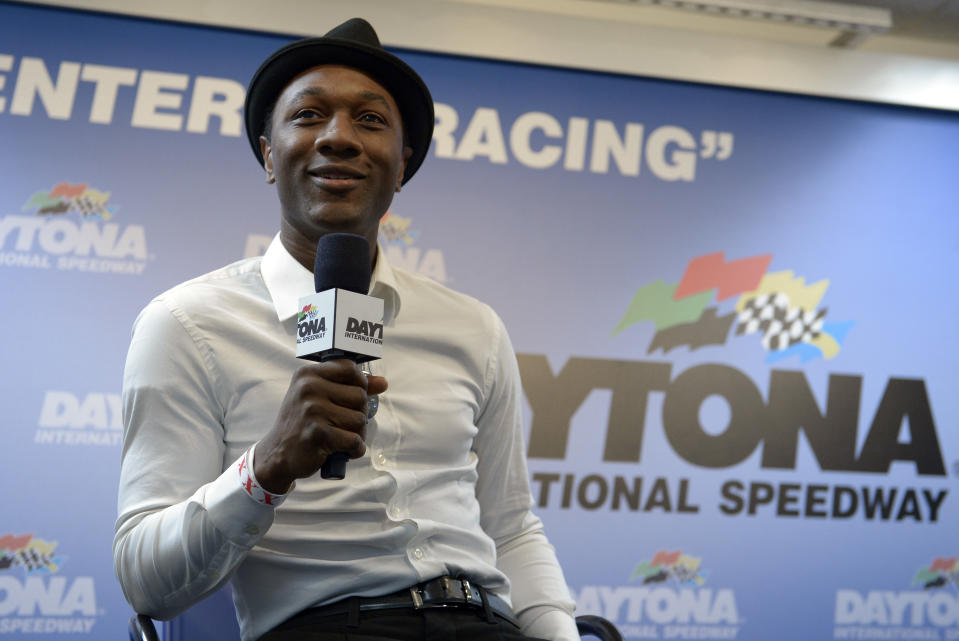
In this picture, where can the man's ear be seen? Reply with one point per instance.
(267, 152)
(407, 152)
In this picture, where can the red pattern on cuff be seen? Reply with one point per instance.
(252, 488)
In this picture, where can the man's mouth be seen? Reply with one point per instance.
(336, 173)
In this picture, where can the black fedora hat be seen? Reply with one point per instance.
(352, 44)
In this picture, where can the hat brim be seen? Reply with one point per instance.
(404, 85)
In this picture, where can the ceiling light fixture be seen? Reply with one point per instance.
(851, 19)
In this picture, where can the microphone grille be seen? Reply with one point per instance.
(343, 262)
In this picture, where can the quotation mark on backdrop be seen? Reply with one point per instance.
(718, 144)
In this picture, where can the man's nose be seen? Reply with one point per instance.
(338, 136)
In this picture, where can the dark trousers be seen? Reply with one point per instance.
(429, 624)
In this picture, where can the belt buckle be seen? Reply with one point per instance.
(417, 597)
(455, 592)
(467, 592)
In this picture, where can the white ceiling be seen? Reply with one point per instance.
(926, 28)
(915, 61)
(928, 20)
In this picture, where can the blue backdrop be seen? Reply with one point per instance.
(732, 311)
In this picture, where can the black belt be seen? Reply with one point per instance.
(442, 592)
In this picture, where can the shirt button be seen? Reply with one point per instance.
(252, 529)
(381, 458)
(418, 553)
(396, 512)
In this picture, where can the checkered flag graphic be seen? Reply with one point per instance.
(760, 312)
(781, 325)
(84, 206)
(89, 207)
(32, 560)
(682, 574)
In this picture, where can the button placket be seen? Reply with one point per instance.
(386, 425)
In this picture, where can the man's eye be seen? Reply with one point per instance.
(306, 113)
(372, 117)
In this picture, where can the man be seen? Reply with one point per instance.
(430, 536)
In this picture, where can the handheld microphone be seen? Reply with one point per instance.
(340, 320)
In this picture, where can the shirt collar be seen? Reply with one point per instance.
(288, 281)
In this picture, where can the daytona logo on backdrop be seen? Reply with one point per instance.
(777, 305)
(68, 419)
(671, 602)
(930, 613)
(69, 230)
(398, 239)
(786, 315)
(37, 601)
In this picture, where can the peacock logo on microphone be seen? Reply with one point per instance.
(340, 320)
(310, 326)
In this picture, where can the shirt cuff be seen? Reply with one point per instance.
(250, 485)
(233, 511)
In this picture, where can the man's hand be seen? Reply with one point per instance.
(324, 411)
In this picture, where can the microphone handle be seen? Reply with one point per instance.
(334, 467)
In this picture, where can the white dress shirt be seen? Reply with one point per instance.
(442, 489)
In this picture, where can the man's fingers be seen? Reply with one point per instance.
(325, 411)
(341, 440)
(352, 420)
(340, 370)
(349, 396)
(375, 385)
